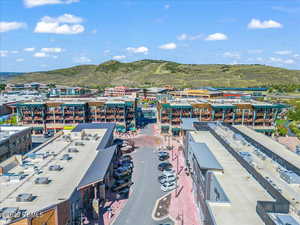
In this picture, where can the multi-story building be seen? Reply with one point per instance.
(64, 91)
(14, 140)
(57, 113)
(120, 91)
(62, 182)
(234, 111)
(197, 93)
(237, 179)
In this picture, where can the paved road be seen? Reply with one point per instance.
(146, 189)
(38, 140)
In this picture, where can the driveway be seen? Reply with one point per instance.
(146, 189)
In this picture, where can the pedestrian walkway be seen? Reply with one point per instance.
(183, 208)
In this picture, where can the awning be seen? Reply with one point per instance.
(205, 158)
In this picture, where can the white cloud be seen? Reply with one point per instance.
(283, 52)
(119, 57)
(19, 60)
(65, 24)
(3, 53)
(184, 37)
(40, 55)
(267, 24)
(29, 49)
(8, 26)
(296, 56)
(141, 49)
(14, 52)
(52, 50)
(167, 6)
(281, 61)
(168, 46)
(233, 55)
(255, 51)
(34, 3)
(82, 59)
(216, 37)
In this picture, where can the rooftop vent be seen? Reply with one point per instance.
(55, 168)
(42, 180)
(73, 150)
(25, 197)
(66, 157)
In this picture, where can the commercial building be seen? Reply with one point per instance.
(60, 181)
(120, 91)
(55, 114)
(235, 182)
(64, 91)
(14, 140)
(197, 93)
(260, 115)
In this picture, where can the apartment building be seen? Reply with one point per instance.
(260, 115)
(56, 113)
(14, 140)
(60, 181)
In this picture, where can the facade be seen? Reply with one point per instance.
(235, 111)
(44, 189)
(14, 140)
(57, 113)
(196, 93)
(120, 91)
(228, 187)
(69, 92)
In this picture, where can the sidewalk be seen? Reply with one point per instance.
(183, 208)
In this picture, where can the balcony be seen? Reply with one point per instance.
(228, 120)
(259, 114)
(67, 112)
(206, 119)
(218, 114)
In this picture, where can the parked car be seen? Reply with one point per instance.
(168, 186)
(167, 178)
(126, 157)
(120, 184)
(163, 156)
(164, 166)
(123, 191)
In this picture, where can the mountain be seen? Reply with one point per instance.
(159, 73)
(9, 75)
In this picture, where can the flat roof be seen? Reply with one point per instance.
(8, 131)
(242, 190)
(188, 123)
(269, 143)
(63, 183)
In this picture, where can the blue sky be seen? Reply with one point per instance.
(49, 34)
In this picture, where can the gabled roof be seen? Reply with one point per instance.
(98, 169)
(205, 157)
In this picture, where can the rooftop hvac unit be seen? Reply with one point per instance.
(66, 157)
(42, 180)
(25, 197)
(73, 150)
(79, 143)
(55, 168)
(10, 212)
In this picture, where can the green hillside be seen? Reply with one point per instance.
(159, 73)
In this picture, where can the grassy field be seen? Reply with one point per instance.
(145, 73)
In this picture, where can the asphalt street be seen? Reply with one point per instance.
(146, 189)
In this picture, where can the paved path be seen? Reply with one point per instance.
(146, 189)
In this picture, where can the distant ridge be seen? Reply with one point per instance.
(159, 72)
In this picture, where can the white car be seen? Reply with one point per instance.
(169, 186)
(167, 178)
